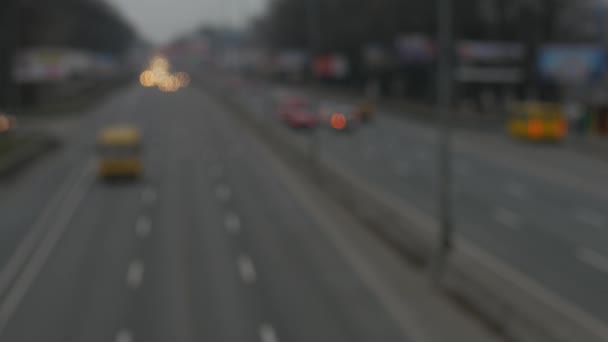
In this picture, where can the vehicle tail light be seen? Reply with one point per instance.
(338, 121)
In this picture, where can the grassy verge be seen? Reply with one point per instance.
(11, 143)
(75, 104)
(18, 151)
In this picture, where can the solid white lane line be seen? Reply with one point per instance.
(223, 193)
(232, 223)
(148, 196)
(19, 258)
(246, 269)
(124, 336)
(143, 226)
(135, 274)
(591, 218)
(593, 259)
(39, 257)
(507, 218)
(268, 334)
(515, 189)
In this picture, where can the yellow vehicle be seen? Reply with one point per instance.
(119, 150)
(538, 121)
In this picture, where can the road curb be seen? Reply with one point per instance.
(23, 156)
(512, 303)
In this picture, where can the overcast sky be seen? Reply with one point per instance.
(161, 20)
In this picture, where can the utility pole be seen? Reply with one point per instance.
(314, 37)
(11, 41)
(19, 45)
(444, 101)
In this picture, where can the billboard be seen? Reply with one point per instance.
(56, 64)
(415, 49)
(492, 62)
(333, 66)
(571, 64)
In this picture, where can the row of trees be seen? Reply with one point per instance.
(348, 24)
(86, 24)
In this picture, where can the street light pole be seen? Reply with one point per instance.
(444, 97)
(16, 53)
(11, 39)
(314, 37)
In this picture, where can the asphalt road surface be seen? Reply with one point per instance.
(208, 246)
(541, 208)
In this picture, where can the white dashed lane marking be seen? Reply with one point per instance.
(232, 223)
(135, 274)
(268, 334)
(143, 226)
(591, 218)
(124, 336)
(223, 193)
(507, 218)
(593, 259)
(246, 269)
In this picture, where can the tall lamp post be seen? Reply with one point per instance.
(11, 41)
(314, 38)
(444, 97)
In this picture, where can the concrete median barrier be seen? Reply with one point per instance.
(510, 301)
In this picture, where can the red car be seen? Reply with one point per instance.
(297, 112)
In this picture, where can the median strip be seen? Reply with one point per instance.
(536, 315)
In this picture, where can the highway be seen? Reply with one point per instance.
(540, 208)
(208, 246)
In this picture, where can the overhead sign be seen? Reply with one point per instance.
(40, 65)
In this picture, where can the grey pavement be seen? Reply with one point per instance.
(540, 208)
(208, 246)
